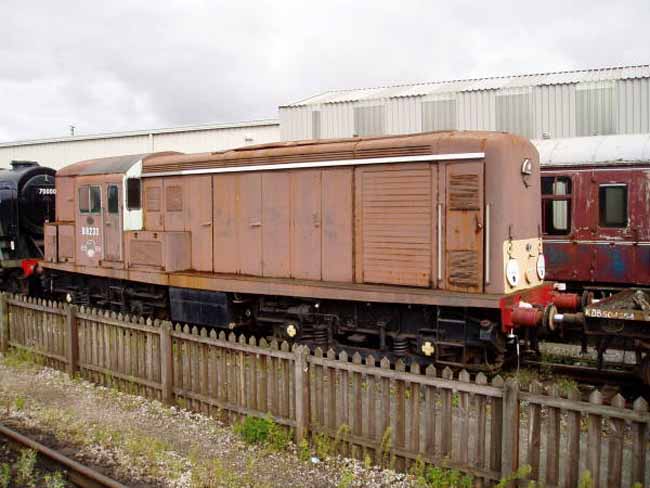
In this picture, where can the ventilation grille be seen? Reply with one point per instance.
(397, 226)
(385, 152)
(146, 253)
(463, 268)
(152, 199)
(420, 150)
(174, 198)
(464, 191)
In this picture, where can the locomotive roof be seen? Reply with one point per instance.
(594, 150)
(463, 144)
(21, 171)
(104, 166)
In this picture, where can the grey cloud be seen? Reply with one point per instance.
(108, 66)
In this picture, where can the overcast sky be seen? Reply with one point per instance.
(127, 65)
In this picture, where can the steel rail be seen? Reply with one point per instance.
(78, 474)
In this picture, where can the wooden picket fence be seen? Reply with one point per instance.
(390, 413)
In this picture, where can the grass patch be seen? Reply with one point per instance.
(25, 475)
(322, 445)
(440, 477)
(54, 480)
(347, 478)
(19, 403)
(5, 475)
(21, 359)
(263, 431)
(524, 376)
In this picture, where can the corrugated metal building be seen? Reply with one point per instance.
(563, 104)
(59, 152)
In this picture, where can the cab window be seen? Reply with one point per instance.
(113, 201)
(612, 203)
(90, 199)
(95, 199)
(84, 199)
(556, 205)
(133, 194)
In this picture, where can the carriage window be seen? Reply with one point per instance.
(556, 205)
(95, 199)
(133, 194)
(84, 199)
(612, 202)
(113, 200)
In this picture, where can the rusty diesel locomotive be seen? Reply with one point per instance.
(423, 246)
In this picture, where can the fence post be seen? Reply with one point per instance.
(4, 324)
(302, 392)
(510, 426)
(166, 363)
(71, 340)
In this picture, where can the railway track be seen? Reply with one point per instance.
(77, 474)
(589, 374)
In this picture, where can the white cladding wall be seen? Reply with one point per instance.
(57, 153)
(593, 107)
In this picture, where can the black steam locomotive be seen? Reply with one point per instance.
(27, 195)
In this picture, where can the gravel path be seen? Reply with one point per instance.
(145, 444)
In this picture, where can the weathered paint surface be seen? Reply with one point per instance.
(591, 252)
(414, 218)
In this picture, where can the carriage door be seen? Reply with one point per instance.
(112, 221)
(464, 226)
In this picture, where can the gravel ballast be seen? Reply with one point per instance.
(143, 443)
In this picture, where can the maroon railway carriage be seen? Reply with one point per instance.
(408, 245)
(596, 222)
(596, 210)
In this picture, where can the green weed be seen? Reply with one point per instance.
(347, 478)
(386, 456)
(322, 445)
(264, 432)
(5, 475)
(304, 453)
(455, 400)
(586, 481)
(25, 468)
(566, 385)
(520, 474)
(19, 403)
(524, 376)
(20, 359)
(54, 480)
(342, 437)
(440, 477)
